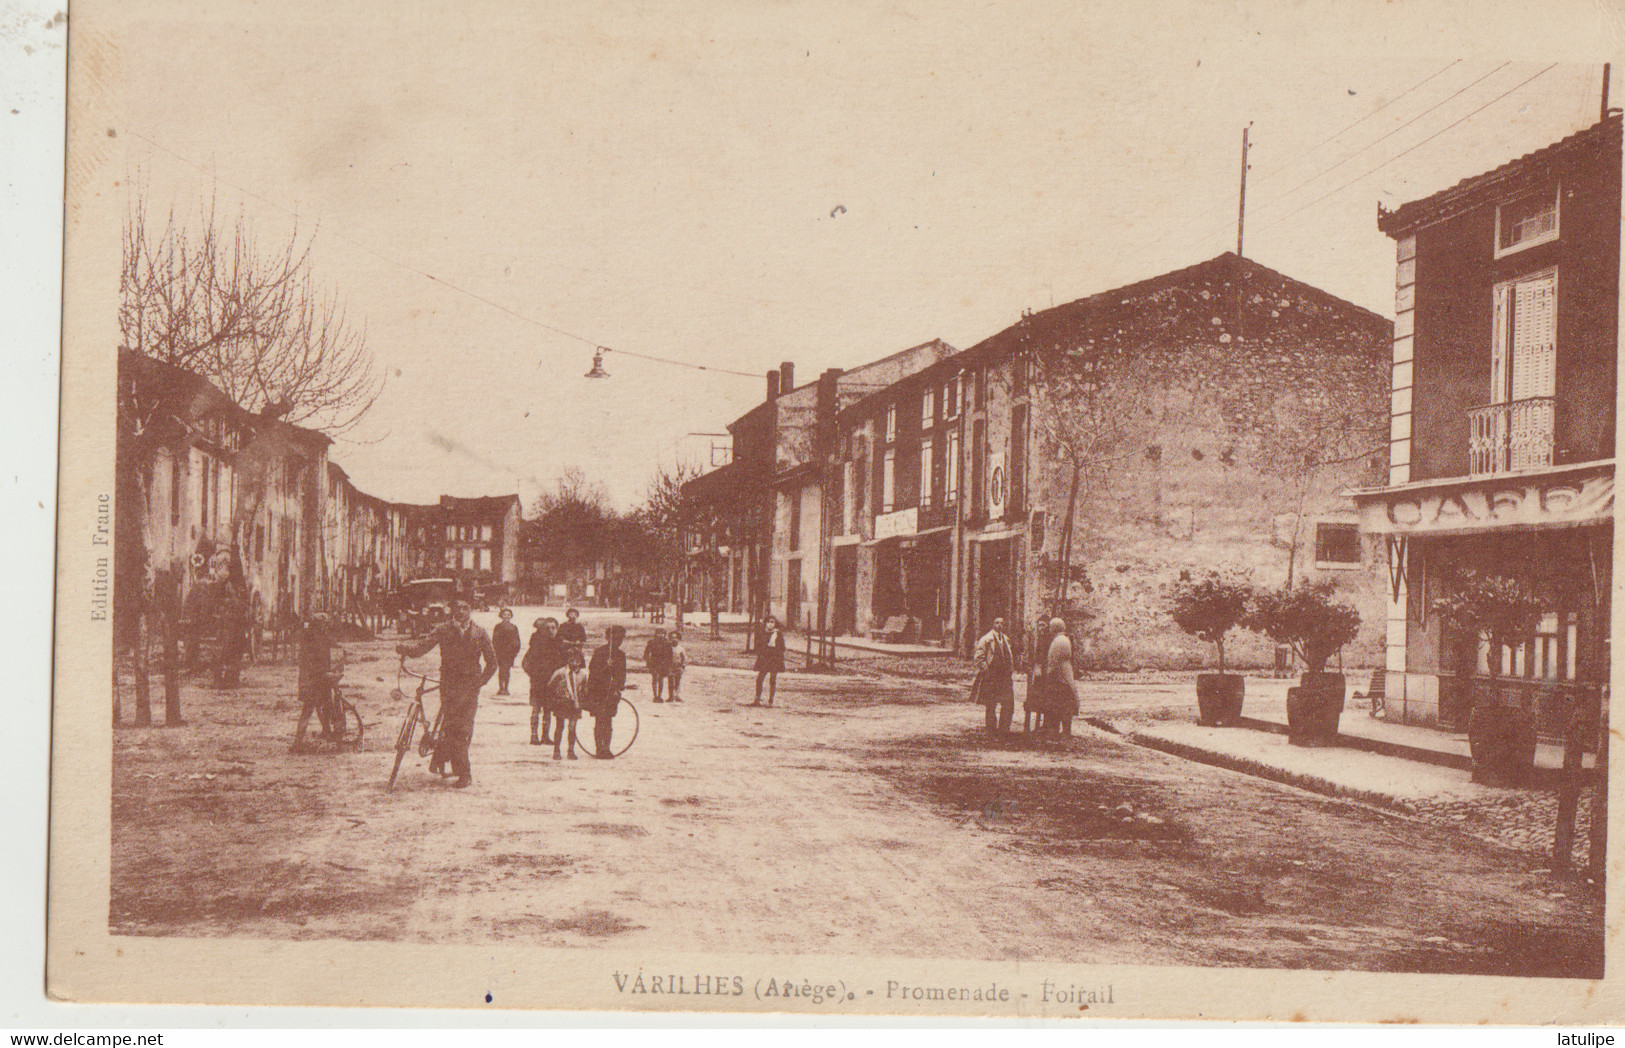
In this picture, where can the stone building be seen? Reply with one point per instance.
(202, 482)
(1502, 430)
(1085, 459)
(479, 542)
(761, 537)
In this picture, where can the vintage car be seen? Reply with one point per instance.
(425, 603)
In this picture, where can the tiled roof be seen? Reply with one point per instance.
(1471, 190)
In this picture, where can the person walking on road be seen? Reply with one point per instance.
(467, 663)
(572, 632)
(679, 662)
(657, 658)
(505, 641)
(565, 690)
(995, 663)
(606, 678)
(315, 678)
(769, 659)
(542, 659)
(1060, 680)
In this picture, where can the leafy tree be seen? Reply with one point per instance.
(1211, 608)
(1308, 619)
(1502, 610)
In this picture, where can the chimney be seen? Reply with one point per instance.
(828, 403)
(787, 377)
(772, 385)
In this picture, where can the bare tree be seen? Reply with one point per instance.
(1098, 406)
(249, 317)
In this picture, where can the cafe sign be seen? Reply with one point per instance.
(1494, 503)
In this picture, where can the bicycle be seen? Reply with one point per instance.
(342, 726)
(415, 715)
(341, 712)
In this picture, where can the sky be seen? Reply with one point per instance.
(497, 188)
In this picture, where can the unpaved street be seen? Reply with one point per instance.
(861, 816)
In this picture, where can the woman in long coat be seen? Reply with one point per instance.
(1059, 680)
(1036, 702)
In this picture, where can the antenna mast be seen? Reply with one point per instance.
(1241, 208)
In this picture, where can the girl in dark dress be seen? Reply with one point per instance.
(769, 659)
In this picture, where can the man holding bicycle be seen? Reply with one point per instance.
(463, 648)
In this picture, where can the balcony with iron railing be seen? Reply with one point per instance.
(1506, 438)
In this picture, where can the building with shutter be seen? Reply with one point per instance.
(1085, 459)
(1502, 428)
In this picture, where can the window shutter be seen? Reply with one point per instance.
(1498, 351)
(1534, 333)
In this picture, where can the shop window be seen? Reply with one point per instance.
(1337, 545)
(1526, 222)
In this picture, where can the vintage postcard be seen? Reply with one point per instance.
(1038, 511)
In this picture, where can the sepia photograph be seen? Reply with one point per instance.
(1094, 511)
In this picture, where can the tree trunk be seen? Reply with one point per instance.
(1063, 569)
(172, 676)
(143, 685)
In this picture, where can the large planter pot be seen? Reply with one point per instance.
(1502, 741)
(1313, 709)
(1218, 697)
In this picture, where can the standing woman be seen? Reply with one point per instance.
(1060, 681)
(505, 640)
(769, 659)
(1037, 701)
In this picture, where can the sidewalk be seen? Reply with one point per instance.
(1415, 771)
(1265, 710)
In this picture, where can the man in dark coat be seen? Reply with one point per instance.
(606, 677)
(467, 663)
(505, 641)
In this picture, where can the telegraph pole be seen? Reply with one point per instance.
(1241, 208)
(1605, 68)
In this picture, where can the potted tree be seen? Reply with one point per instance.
(1313, 624)
(1501, 610)
(1208, 610)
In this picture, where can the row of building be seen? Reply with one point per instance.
(207, 488)
(1224, 417)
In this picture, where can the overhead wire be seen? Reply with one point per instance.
(1381, 138)
(1349, 127)
(594, 343)
(1411, 149)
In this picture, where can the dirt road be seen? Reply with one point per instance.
(860, 816)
